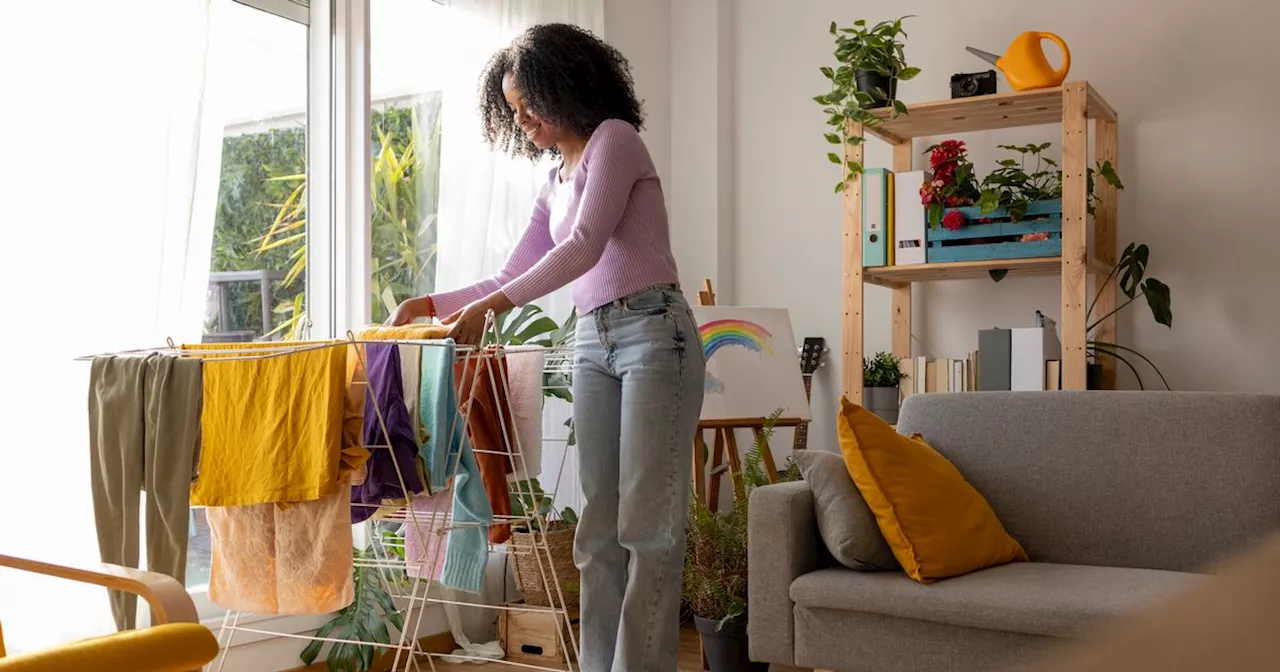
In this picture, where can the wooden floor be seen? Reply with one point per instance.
(690, 660)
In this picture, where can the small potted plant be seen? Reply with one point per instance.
(869, 64)
(881, 376)
(715, 565)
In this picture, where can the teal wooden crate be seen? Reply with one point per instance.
(997, 239)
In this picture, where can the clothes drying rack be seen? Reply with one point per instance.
(411, 597)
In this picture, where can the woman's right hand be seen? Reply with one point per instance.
(411, 309)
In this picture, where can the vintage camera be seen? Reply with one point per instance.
(968, 85)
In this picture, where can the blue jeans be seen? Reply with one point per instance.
(637, 391)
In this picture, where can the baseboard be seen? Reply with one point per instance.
(441, 642)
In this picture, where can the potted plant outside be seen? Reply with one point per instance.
(869, 64)
(715, 569)
(881, 376)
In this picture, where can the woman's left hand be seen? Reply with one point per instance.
(467, 325)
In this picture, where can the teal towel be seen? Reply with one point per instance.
(447, 449)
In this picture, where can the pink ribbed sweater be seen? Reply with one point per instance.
(606, 226)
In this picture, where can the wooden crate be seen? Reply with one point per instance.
(531, 637)
(997, 239)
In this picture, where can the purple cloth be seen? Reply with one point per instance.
(381, 481)
(605, 224)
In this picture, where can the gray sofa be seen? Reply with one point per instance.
(1119, 498)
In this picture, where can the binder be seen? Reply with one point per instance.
(1030, 349)
(875, 216)
(994, 359)
(909, 217)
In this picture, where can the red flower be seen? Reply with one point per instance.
(954, 220)
(945, 153)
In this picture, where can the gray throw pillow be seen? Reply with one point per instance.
(846, 523)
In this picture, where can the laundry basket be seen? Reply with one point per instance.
(529, 568)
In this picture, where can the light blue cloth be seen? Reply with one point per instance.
(446, 453)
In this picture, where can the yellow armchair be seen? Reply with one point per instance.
(175, 643)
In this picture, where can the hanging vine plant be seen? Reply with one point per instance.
(869, 64)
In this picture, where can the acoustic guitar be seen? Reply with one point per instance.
(813, 353)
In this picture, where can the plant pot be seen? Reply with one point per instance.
(883, 401)
(1093, 376)
(869, 82)
(529, 569)
(726, 648)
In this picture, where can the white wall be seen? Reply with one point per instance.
(641, 31)
(1192, 84)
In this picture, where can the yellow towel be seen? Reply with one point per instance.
(408, 332)
(273, 426)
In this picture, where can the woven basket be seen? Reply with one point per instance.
(559, 539)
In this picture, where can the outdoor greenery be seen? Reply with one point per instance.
(870, 53)
(715, 564)
(883, 370)
(261, 217)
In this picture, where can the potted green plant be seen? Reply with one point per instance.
(869, 64)
(366, 618)
(1130, 273)
(715, 565)
(881, 376)
(528, 498)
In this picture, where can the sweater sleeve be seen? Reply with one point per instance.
(534, 244)
(613, 162)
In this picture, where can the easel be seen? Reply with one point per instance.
(726, 443)
(724, 451)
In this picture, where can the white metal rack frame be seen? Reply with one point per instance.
(411, 596)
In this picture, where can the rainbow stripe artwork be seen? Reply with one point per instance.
(726, 333)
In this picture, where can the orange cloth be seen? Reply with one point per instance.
(936, 523)
(483, 380)
(275, 559)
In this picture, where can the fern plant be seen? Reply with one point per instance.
(715, 563)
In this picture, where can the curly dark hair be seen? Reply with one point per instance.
(568, 76)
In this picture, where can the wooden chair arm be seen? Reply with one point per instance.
(167, 598)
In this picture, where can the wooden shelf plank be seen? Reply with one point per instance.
(896, 276)
(984, 113)
(900, 276)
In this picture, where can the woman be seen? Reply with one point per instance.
(638, 367)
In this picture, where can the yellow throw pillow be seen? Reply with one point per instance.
(937, 524)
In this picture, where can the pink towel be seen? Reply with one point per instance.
(423, 547)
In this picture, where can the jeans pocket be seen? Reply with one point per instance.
(651, 302)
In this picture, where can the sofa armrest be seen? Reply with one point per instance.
(782, 545)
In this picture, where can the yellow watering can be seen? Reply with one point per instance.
(1024, 64)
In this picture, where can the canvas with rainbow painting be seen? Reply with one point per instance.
(752, 368)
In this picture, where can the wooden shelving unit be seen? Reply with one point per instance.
(1073, 104)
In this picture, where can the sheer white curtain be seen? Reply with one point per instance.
(485, 196)
(106, 224)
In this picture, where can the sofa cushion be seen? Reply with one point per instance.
(1029, 597)
(846, 524)
(937, 524)
(1159, 480)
